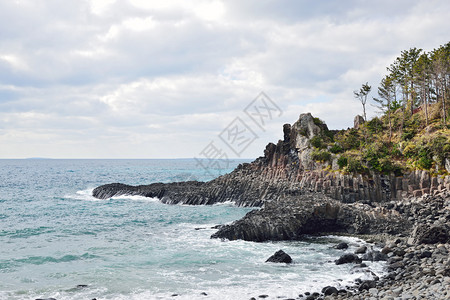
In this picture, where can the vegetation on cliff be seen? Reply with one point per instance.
(412, 131)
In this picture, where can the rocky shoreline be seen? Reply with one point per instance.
(299, 196)
(417, 265)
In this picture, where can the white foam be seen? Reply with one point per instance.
(136, 198)
(226, 203)
(86, 195)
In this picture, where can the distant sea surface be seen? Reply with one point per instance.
(57, 241)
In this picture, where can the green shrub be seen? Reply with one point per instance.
(396, 151)
(354, 165)
(336, 148)
(410, 151)
(387, 166)
(408, 135)
(439, 147)
(342, 162)
(374, 126)
(318, 121)
(424, 160)
(348, 140)
(425, 163)
(321, 155)
(317, 142)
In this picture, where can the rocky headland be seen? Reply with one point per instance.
(300, 195)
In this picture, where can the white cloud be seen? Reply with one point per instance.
(139, 78)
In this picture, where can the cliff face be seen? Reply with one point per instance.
(286, 169)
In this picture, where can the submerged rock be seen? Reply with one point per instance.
(280, 257)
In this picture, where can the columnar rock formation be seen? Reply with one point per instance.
(299, 197)
(292, 217)
(285, 169)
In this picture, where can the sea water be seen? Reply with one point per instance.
(58, 241)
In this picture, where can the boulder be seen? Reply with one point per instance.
(280, 257)
(361, 250)
(348, 258)
(374, 256)
(341, 246)
(423, 234)
(329, 290)
(367, 284)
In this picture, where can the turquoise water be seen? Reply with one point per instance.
(55, 236)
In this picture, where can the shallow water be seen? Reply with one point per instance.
(54, 236)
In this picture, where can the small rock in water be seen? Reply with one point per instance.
(361, 250)
(280, 257)
(46, 299)
(341, 246)
(203, 294)
(348, 258)
(81, 286)
(174, 295)
(263, 296)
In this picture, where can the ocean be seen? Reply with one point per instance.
(57, 241)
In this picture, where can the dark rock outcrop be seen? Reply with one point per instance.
(292, 217)
(424, 234)
(280, 257)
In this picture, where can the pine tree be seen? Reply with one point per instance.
(361, 95)
(387, 97)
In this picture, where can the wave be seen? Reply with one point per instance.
(136, 198)
(6, 265)
(86, 195)
(26, 232)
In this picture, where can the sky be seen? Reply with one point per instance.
(183, 79)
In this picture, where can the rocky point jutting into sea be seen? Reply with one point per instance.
(298, 196)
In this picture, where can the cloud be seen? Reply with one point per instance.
(135, 78)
